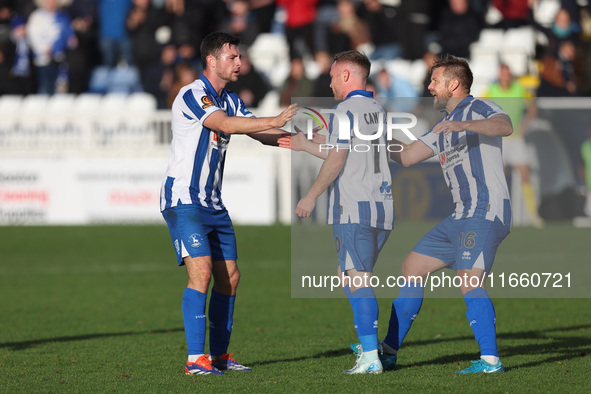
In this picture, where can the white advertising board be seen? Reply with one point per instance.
(117, 190)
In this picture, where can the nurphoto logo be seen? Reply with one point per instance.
(389, 121)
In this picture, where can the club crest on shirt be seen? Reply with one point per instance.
(206, 102)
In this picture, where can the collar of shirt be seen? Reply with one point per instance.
(364, 93)
(460, 106)
(209, 89)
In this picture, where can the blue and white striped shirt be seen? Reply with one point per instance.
(197, 154)
(362, 192)
(472, 164)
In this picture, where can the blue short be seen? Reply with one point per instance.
(358, 245)
(200, 231)
(464, 243)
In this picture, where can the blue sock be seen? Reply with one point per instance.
(404, 310)
(481, 315)
(365, 316)
(347, 291)
(221, 318)
(195, 320)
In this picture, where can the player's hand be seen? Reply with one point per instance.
(284, 142)
(286, 115)
(305, 207)
(318, 138)
(448, 126)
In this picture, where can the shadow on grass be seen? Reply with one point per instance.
(326, 354)
(14, 346)
(557, 348)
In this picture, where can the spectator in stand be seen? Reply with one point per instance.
(264, 13)
(557, 77)
(299, 26)
(429, 58)
(143, 22)
(515, 155)
(322, 82)
(242, 22)
(352, 26)
(515, 13)
(251, 86)
(327, 15)
(417, 16)
(115, 44)
(50, 34)
(16, 71)
(402, 96)
(585, 170)
(23, 8)
(194, 20)
(160, 76)
(82, 59)
(184, 74)
(296, 84)
(459, 27)
(385, 27)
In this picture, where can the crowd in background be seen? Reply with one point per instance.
(55, 45)
(49, 46)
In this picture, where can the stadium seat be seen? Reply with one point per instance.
(267, 49)
(518, 62)
(491, 39)
(141, 103)
(138, 125)
(9, 117)
(417, 74)
(58, 114)
(112, 109)
(86, 108)
(399, 68)
(99, 78)
(279, 73)
(521, 39)
(545, 11)
(124, 80)
(32, 120)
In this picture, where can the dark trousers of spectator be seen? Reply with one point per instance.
(297, 37)
(46, 76)
(112, 50)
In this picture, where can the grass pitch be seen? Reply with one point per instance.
(98, 309)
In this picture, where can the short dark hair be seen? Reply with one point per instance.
(455, 67)
(356, 58)
(213, 43)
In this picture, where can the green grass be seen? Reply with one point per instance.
(97, 309)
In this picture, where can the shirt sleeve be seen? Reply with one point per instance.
(337, 137)
(431, 140)
(241, 109)
(486, 109)
(198, 104)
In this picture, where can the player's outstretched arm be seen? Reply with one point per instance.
(329, 171)
(269, 137)
(410, 154)
(496, 126)
(299, 142)
(241, 125)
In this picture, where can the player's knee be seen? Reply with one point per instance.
(414, 275)
(227, 284)
(199, 279)
(234, 279)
